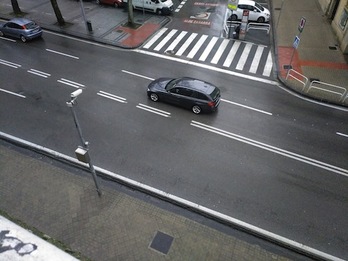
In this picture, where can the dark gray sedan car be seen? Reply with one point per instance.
(196, 95)
(20, 28)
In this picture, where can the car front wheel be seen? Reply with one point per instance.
(154, 97)
(261, 19)
(23, 39)
(196, 109)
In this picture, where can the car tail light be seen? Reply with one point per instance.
(23, 27)
(211, 104)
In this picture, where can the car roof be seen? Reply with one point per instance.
(246, 2)
(196, 84)
(21, 21)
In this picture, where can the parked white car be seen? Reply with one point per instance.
(164, 7)
(256, 11)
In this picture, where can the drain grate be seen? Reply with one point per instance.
(162, 242)
(333, 47)
(314, 79)
(287, 67)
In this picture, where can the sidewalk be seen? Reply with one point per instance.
(61, 201)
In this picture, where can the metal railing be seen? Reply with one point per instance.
(259, 26)
(340, 91)
(331, 88)
(296, 75)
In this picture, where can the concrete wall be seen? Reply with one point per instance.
(341, 32)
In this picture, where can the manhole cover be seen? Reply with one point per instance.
(162, 242)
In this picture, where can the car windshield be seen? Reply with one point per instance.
(215, 93)
(259, 6)
(171, 84)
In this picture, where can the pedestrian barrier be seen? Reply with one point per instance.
(340, 91)
(327, 87)
(296, 75)
(259, 26)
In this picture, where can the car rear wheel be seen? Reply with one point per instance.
(23, 39)
(233, 17)
(154, 97)
(196, 109)
(98, 2)
(116, 5)
(1, 33)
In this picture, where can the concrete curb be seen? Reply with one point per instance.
(222, 218)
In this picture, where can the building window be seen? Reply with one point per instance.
(344, 18)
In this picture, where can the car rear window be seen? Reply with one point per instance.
(30, 25)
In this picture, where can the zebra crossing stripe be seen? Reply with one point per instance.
(220, 51)
(244, 57)
(256, 60)
(165, 40)
(269, 64)
(208, 48)
(197, 46)
(176, 41)
(231, 54)
(186, 44)
(155, 38)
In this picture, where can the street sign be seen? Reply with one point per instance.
(232, 4)
(296, 42)
(302, 24)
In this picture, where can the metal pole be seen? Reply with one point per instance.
(83, 14)
(84, 144)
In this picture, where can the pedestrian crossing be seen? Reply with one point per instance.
(225, 53)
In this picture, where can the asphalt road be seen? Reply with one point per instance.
(266, 157)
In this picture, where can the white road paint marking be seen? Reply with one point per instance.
(39, 73)
(139, 75)
(8, 39)
(264, 146)
(165, 40)
(185, 203)
(342, 134)
(112, 97)
(71, 83)
(244, 57)
(256, 61)
(10, 64)
(269, 64)
(208, 49)
(155, 38)
(153, 110)
(231, 54)
(186, 44)
(220, 51)
(64, 54)
(13, 93)
(197, 46)
(176, 41)
(247, 107)
(208, 67)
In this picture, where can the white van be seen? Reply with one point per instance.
(256, 11)
(156, 6)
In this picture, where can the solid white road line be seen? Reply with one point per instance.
(112, 97)
(64, 54)
(10, 64)
(264, 146)
(153, 110)
(139, 75)
(13, 93)
(183, 202)
(342, 134)
(247, 107)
